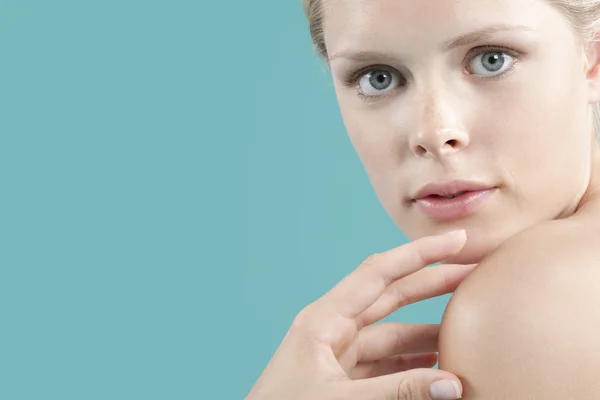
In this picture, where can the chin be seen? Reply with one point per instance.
(482, 241)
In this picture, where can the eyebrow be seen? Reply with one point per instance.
(483, 34)
(462, 40)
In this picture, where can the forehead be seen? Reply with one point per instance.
(365, 22)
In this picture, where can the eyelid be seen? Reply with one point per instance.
(488, 47)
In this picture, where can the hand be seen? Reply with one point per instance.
(332, 350)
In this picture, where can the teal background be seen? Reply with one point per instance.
(176, 184)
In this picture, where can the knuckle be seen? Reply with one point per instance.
(420, 258)
(304, 320)
(373, 259)
(408, 389)
(372, 264)
(314, 324)
(377, 270)
(402, 295)
(399, 340)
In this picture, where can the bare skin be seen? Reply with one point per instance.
(435, 112)
(441, 113)
(333, 350)
(420, 107)
(438, 112)
(525, 324)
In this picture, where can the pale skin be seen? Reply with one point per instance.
(332, 350)
(525, 324)
(511, 330)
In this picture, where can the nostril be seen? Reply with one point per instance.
(421, 150)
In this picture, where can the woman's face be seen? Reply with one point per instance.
(491, 91)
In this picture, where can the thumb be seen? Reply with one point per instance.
(415, 384)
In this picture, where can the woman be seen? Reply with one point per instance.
(476, 116)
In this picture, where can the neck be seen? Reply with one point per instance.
(591, 198)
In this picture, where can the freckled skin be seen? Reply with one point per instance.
(529, 131)
(524, 324)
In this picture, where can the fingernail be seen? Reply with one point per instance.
(444, 390)
(458, 232)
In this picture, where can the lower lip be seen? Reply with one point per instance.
(459, 207)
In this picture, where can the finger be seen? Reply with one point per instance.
(376, 342)
(363, 286)
(414, 384)
(423, 284)
(393, 364)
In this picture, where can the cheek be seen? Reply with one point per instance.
(381, 149)
(539, 125)
(535, 117)
(376, 141)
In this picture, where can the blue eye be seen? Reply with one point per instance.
(378, 82)
(491, 63)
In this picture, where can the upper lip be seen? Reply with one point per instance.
(450, 187)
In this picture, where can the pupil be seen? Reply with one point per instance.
(380, 80)
(494, 61)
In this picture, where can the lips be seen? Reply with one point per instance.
(453, 200)
(455, 188)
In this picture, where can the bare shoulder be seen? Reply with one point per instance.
(526, 323)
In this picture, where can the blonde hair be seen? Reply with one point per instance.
(582, 15)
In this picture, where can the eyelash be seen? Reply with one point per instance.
(354, 78)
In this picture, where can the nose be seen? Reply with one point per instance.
(439, 131)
